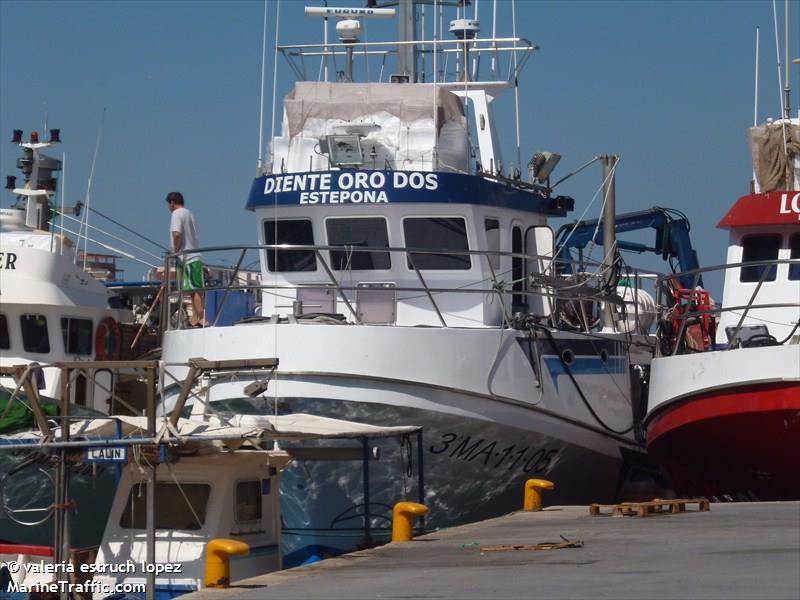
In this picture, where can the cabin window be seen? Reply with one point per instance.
(77, 334)
(5, 340)
(177, 506)
(437, 233)
(492, 228)
(364, 232)
(759, 248)
(794, 254)
(34, 333)
(297, 232)
(248, 501)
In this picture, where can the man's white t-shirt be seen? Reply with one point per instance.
(182, 222)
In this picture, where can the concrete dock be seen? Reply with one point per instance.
(732, 551)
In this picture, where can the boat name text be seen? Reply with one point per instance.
(790, 206)
(349, 187)
(8, 261)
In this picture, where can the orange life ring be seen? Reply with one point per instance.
(107, 340)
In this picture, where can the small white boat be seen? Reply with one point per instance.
(214, 478)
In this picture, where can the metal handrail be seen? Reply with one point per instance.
(663, 281)
(496, 287)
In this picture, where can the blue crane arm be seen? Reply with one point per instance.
(672, 238)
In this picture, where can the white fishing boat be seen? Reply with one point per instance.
(723, 414)
(51, 309)
(187, 490)
(54, 307)
(407, 275)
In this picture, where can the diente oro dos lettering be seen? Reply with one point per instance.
(349, 186)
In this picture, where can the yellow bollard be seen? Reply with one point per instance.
(218, 561)
(402, 516)
(533, 495)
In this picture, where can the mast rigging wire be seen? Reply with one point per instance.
(107, 247)
(128, 229)
(113, 237)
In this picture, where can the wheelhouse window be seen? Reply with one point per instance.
(177, 506)
(757, 248)
(794, 254)
(296, 232)
(492, 228)
(34, 333)
(5, 339)
(358, 232)
(77, 334)
(437, 233)
(248, 501)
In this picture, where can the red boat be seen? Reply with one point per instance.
(723, 415)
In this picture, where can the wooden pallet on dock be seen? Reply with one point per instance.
(644, 509)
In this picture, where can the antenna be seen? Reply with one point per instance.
(778, 58)
(259, 163)
(755, 100)
(787, 90)
(755, 106)
(88, 199)
(349, 27)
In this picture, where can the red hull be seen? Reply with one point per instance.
(732, 444)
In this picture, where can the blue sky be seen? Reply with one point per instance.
(667, 85)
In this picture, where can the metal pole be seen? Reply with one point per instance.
(151, 488)
(348, 77)
(365, 470)
(62, 500)
(407, 53)
(609, 237)
(367, 499)
(421, 474)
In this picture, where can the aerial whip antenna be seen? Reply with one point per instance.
(260, 162)
(275, 73)
(755, 103)
(88, 198)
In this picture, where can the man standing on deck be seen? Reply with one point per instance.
(183, 230)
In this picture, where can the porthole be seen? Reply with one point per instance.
(568, 356)
(604, 356)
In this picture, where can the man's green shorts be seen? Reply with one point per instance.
(193, 275)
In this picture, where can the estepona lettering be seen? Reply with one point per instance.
(349, 186)
(337, 197)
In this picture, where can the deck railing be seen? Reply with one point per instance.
(537, 277)
(681, 309)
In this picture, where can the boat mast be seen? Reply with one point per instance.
(610, 252)
(787, 90)
(407, 53)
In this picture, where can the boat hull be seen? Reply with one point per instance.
(496, 407)
(732, 444)
(472, 470)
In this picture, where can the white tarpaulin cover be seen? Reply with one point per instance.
(350, 101)
(299, 426)
(402, 126)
